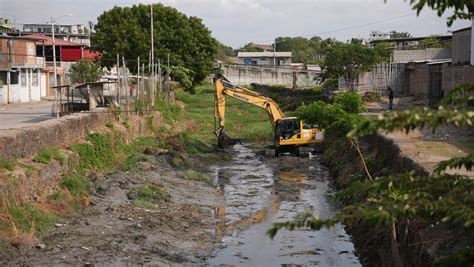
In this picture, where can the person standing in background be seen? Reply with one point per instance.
(390, 98)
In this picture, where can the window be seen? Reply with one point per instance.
(23, 77)
(14, 77)
(35, 77)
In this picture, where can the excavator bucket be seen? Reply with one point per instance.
(225, 141)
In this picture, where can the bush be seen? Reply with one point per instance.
(372, 96)
(76, 185)
(7, 164)
(330, 117)
(350, 102)
(46, 154)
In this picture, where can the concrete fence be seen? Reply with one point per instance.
(269, 75)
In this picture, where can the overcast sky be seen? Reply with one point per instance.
(236, 22)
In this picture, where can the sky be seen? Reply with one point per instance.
(237, 22)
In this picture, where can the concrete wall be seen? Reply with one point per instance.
(418, 80)
(462, 47)
(248, 74)
(25, 142)
(405, 56)
(457, 75)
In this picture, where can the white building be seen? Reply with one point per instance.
(265, 58)
(76, 33)
(378, 35)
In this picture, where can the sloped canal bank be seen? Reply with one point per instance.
(260, 191)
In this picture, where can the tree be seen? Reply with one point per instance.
(463, 9)
(436, 198)
(85, 71)
(299, 47)
(126, 31)
(250, 47)
(384, 51)
(223, 51)
(348, 61)
(395, 35)
(434, 42)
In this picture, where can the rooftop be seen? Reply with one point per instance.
(48, 40)
(264, 54)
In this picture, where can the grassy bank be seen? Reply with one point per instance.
(28, 207)
(243, 120)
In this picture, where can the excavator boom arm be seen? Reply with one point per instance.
(225, 88)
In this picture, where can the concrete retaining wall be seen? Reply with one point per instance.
(248, 74)
(25, 142)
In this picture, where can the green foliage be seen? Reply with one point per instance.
(434, 42)
(46, 154)
(149, 192)
(28, 217)
(98, 154)
(371, 97)
(330, 117)
(126, 31)
(396, 35)
(76, 184)
(193, 175)
(384, 52)
(132, 161)
(436, 198)
(250, 47)
(309, 51)
(193, 146)
(348, 60)
(183, 76)
(224, 52)
(84, 71)
(462, 9)
(7, 164)
(350, 102)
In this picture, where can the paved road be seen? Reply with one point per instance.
(21, 115)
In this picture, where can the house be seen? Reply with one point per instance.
(378, 35)
(66, 53)
(22, 75)
(422, 55)
(76, 33)
(264, 58)
(408, 43)
(462, 46)
(6, 26)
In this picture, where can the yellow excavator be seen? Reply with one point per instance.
(290, 134)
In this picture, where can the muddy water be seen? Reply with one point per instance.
(258, 192)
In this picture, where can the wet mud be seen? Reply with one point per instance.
(199, 224)
(259, 191)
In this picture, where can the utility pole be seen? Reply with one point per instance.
(118, 79)
(274, 52)
(138, 79)
(55, 70)
(153, 83)
(127, 91)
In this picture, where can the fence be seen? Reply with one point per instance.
(379, 79)
(270, 75)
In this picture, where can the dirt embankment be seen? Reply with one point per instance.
(421, 243)
(124, 227)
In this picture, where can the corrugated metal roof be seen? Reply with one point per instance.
(264, 54)
(48, 40)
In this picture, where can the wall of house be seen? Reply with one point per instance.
(457, 75)
(462, 47)
(266, 61)
(418, 80)
(248, 74)
(404, 56)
